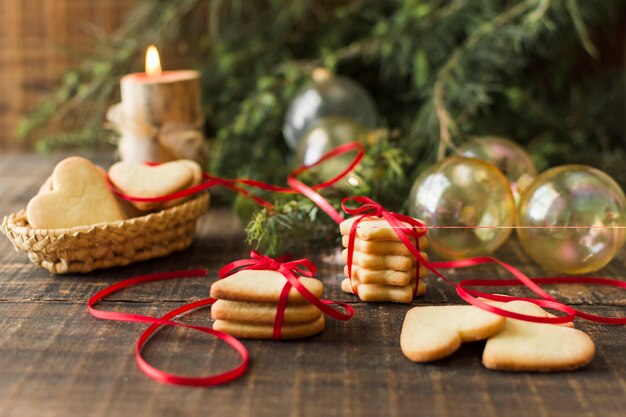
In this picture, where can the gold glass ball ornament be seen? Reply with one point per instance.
(466, 204)
(510, 158)
(571, 219)
(327, 96)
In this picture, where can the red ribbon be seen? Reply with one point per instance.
(416, 229)
(291, 270)
(166, 320)
(405, 227)
(311, 192)
(235, 184)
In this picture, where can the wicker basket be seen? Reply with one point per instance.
(105, 245)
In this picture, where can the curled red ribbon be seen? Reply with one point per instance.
(295, 186)
(291, 270)
(311, 192)
(416, 229)
(166, 320)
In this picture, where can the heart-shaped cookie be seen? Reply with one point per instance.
(79, 196)
(261, 286)
(526, 346)
(141, 180)
(434, 332)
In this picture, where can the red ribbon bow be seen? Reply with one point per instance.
(291, 270)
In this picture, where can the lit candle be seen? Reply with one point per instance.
(160, 115)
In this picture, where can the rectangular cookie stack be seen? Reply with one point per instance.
(383, 269)
(248, 300)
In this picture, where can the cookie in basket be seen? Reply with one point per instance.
(140, 180)
(77, 224)
(76, 195)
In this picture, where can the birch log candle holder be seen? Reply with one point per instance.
(159, 118)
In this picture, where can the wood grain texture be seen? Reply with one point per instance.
(57, 360)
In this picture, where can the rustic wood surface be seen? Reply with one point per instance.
(57, 360)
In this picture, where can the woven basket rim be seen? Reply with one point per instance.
(13, 221)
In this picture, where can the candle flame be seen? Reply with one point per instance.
(153, 62)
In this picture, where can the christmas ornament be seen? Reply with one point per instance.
(467, 205)
(326, 134)
(508, 156)
(328, 95)
(571, 218)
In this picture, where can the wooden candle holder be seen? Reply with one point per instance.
(160, 117)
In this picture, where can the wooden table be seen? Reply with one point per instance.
(57, 360)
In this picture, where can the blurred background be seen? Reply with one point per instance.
(413, 80)
(39, 41)
(547, 74)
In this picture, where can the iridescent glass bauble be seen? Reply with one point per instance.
(327, 96)
(467, 205)
(571, 219)
(508, 156)
(326, 134)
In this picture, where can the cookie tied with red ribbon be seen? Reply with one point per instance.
(379, 266)
(271, 299)
(248, 301)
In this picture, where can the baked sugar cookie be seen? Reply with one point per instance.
(383, 247)
(262, 313)
(78, 195)
(542, 347)
(391, 262)
(246, 330)
(370, 228)
(262, 287)
(384, 293)
(140, 180)
(384, 276)
(433, 332)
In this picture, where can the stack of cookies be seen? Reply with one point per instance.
(383, 269)
(248, 301)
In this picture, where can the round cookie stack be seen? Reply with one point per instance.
(248, 301)
(383, 269)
